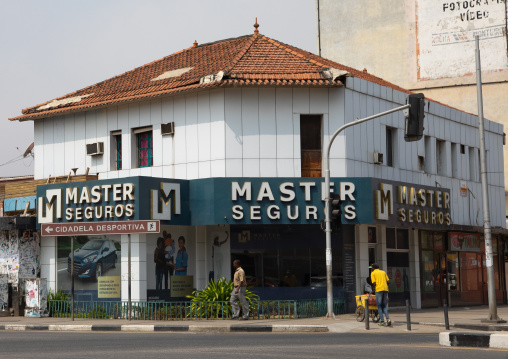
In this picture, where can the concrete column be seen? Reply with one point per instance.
(381, 249)
(49, 266)
(201, 277)
(361, 255)
(414, 268)
(138, 267)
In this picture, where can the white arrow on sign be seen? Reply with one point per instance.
(49, 229)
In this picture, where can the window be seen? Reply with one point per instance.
(441, 157)
(455, 161)
(428, 151)
(372, 234)
(310, 145)
(472, 171)
(145, 149)
(116, 150)
(397, 238)
(143, 154)
(390, 141)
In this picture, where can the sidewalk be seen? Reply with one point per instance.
(423, 321)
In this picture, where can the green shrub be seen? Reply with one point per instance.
(207, 302)
(57, 295)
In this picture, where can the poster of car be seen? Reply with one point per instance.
(94, 257)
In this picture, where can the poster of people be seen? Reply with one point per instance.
(97, 263)
(170, 271)
(220, 255)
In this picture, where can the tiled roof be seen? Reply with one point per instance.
(254, 60)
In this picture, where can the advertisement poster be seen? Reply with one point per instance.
(181, 286)
(220, 249)
(169, 257)
(109, 287)
(94, 257)
(465, 242)
(399, 279)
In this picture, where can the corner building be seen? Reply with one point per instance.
(223, 143)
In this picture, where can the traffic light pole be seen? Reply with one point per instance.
(328, 226)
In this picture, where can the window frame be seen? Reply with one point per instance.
(149, 148)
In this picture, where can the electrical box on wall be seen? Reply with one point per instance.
(168, 128)
(96, 148)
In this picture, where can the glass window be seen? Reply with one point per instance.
(469, 269)
(310, 145)
(428, 271)
(452, 267)
(278, 256)
(390, 238)
(372, 234)
(427, 240)
(118, 159)
(145, 149)
(390, 134)
(402, 239)
(438, 241)
(441, 157)
(398, 271)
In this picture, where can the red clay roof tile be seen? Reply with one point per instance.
(252, 60)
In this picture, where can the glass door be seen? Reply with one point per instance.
(441, 286)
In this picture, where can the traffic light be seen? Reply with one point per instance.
(414, 118)
(335, 210)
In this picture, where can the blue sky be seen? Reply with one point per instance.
(51, 48)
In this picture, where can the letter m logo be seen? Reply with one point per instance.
(165, 201)
(50, 207)
(384, 201)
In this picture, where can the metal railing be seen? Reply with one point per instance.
(263, 309)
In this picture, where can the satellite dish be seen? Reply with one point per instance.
(29, 150)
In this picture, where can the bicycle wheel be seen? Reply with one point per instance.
(360, 314)
(375, 316)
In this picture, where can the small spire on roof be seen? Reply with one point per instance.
(256, 25)
(365, 69)
(195, 43)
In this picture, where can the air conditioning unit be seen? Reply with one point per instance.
(96, 148)
(168, 128)
(378, 158)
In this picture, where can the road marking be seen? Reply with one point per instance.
(443, 347)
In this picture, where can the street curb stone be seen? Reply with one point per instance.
(251, 328)
(473, 340)
(300, 328)
(171, 328)
(168, 328)
(70, 327)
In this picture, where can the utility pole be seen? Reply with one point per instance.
(489, 262)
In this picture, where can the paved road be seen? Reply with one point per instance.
(246, 345)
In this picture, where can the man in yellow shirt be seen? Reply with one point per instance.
(380, 280)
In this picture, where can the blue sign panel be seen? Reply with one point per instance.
(242, 201)
(277, 200)
(131, 198)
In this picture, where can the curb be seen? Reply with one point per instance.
(168, 328)
(474, 340)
